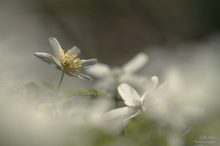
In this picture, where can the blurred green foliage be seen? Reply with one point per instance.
(140, 131)
(86, 92)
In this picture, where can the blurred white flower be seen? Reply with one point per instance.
(110, 78)
(68, 62)
(179, 104)
(133, 101)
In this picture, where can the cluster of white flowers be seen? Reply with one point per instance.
(109, 80)
(171, 103)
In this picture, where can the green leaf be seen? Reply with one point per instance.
(87, 92)
(30, 89)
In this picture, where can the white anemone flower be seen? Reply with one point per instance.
(110, 78)
(68, 62)
(133, 101)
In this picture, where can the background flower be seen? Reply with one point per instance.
(110, 78)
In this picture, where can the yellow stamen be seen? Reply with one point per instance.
(70, 62)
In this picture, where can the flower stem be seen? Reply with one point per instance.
(61, 79)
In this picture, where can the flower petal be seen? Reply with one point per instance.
(99, 70)
(79, 75)
(58, 51)
(119, 118)
(129, 95)
(151, 95)
(155, 81)
(48, 59)
(84, 77)
(120, 113)
(150, 100)
(136, 63)
(88, 62)
(74, 50)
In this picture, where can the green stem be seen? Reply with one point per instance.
(61, 79)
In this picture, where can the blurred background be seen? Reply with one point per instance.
(181, 34)
(113, 31)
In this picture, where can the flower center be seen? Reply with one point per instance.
(69, 61)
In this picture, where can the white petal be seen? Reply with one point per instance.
(58, 51)
(48, 59)
(88, 62)
(155, 81)
(84, 77)
(71, 74)
(118, 118)
(144, 96)
(150, 100)
(136, 63)
(129, 95)
(75, 50)
(99, 70)
(120, 113)
(79, 75)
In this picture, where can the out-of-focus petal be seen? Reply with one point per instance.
(118, 118)
(136, 63)
(141, 83)
(155, 81)
(74, 50)
(120, 113)
(88, 62)
(57, 49)
(150, 101)
(99, 70)
(129, 95)
(48, 59)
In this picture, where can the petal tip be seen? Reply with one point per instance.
(37, 54)
(53, 41)
(51, 38)
(155, 78)
(122, 85)
(155, 81)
